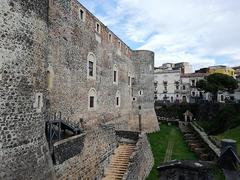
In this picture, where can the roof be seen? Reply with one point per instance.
(188, 113)
(228, 158)
(185, 164)
(194, 75)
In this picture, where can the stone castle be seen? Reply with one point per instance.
(55, 56)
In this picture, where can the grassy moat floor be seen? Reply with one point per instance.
(159, 143)
(231, 134)
(169, 140)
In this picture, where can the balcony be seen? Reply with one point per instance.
(165, 83)
(177, 91)
(185, 91)
(165, 91)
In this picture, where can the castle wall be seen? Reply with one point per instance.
(99, 144)
(141, 161)
(71, 41)
(44, 69)
(23, 48)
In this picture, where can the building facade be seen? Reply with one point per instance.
(189, 92)
(58, 57)
(222, 70)
(174, 86)
(167, 86)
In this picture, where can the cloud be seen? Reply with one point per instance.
(197, 31)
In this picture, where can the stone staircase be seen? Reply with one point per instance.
(119, 162)
(195, 143)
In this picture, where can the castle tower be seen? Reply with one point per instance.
(143, 89)
(24, 152)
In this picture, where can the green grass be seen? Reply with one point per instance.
(159, 142)
(231, 134)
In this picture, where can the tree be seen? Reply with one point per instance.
(217, 82)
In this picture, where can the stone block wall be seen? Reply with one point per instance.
(68, 148)
(141, 161)
(24, 152)
(99, 144)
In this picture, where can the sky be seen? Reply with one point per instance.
(202, 32)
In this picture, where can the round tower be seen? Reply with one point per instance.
(24, 152)
(144, 90)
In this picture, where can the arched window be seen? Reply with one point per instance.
(118, 99)
(82, 14)
(115, 74)
(92, 99)
(91, 66)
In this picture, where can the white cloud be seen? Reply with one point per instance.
(186, 30)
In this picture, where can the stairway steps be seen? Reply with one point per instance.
(119, 162)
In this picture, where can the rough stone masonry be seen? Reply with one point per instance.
(55, 56)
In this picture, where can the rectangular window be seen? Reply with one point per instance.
(129, 80)
(115, 76)
(90, 68)
(91, 101)
(117, 101)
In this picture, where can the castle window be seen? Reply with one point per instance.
(92, 99)
(115, 74)
(118, 99)
(98, 28)
(110, 37)
(91, 66)
(38, 104)
(140, 92)
(82, 14)
(119, 44)
(129, 81)
(39, 101)
(126, 50)
(50, 76)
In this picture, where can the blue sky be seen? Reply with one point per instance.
(202, 32)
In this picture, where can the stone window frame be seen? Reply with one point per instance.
(98, 27)
(82, 14)
(150, 67)
(119, 44)
(140, 92)
(129, 80)
(118, 99)
(38, 103)
(91, 58)
(50, 77)
(110, 37)
(92, 93)
(115, 68)
(126, 50)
